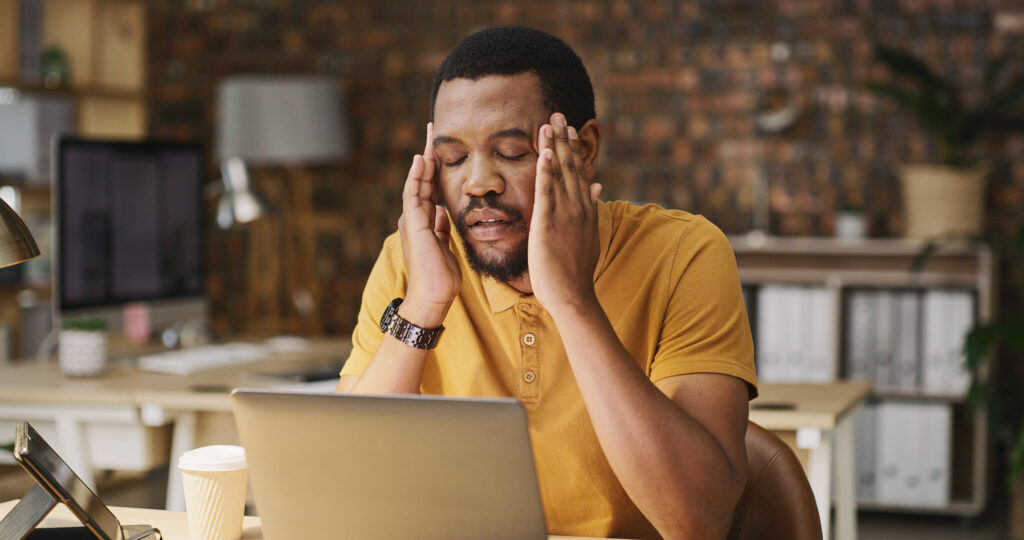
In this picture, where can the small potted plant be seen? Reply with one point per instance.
(851, 223)
(83, 347)
(947, 198)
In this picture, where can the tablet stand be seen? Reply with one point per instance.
(29, 512)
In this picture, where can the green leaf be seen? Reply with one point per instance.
(980, 340)
(1009, 97)
(993, 71)
(1013, 333)
(979, 395)
(1016, 465)
(895, 92)
(7, 447)
(922, 256)
(904, 63)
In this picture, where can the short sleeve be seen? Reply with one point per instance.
(387, 281)
(705, 327)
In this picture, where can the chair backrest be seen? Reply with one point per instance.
(777, 501)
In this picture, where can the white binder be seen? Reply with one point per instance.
(935, 459)
(885, 335)
(907, 362)
(961, 315)
(935, 341)
(822, 333)
(865, 426)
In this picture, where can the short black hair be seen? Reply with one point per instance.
(510, 50)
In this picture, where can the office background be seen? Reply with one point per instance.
(677, 87)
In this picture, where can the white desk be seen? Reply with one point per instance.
(822, 419)
(172, 525)
(122, 419)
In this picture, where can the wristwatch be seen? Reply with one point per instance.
(407, 332)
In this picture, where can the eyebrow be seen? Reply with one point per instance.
(505, 133)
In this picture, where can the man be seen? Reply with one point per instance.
(621, 329)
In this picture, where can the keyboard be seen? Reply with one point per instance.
(203, 358)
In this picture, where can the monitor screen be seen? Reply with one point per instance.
(129, 222)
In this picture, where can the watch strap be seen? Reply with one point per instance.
(393, 324)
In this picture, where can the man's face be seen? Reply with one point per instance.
(485, 138)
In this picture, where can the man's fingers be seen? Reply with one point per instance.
(416, 215)
(564, 154)
(442, 227)
(412, 182)
(427, 188)
(544, 190)
(577, 163)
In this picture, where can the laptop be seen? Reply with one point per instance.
(389, 467)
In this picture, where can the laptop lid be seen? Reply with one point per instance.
(389, 467)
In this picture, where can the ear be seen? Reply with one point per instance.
(590, 140)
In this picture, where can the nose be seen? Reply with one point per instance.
(482, 179)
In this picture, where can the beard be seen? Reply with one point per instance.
(504, 267)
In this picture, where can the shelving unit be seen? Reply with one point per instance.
(104, 42)
(888, 263)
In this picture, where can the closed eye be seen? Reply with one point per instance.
(454, 163)
(512, 158)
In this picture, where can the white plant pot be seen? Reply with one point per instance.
(943, 201)
(850, 225)
(83, 353)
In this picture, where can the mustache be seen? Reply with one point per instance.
(489, 200)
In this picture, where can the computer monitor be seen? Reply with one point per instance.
(129, 228)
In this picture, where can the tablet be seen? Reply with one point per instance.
(49, 470)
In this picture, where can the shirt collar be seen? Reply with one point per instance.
(502, 296)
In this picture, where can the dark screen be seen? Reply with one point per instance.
(130, 222)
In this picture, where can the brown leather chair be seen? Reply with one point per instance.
(777, 502)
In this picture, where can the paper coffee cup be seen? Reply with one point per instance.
(214, 479)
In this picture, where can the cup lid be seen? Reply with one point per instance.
(213, 458)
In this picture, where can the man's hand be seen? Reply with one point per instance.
(564, 246)
(434, 275)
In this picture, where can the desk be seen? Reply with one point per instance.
(87, 412)
(822, 419)
(173, 525)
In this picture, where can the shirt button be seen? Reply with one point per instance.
(529, 376)
(529, 339)
(524, 307)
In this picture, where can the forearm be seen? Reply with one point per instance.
(673, 468)
(397, 368)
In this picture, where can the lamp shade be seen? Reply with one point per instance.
(274, 120)
(16, 242)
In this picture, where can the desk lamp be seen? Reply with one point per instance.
(273, 120)
(16, 242)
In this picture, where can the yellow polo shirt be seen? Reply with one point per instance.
(667, 281)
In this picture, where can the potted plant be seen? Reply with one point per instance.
(947, 198)
(1001, 394)
(83, 347)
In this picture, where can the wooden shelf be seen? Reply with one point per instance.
(917, 395)
(104, 43)
(963, 508)
(74, 92)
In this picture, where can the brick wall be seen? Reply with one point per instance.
(677, 83)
